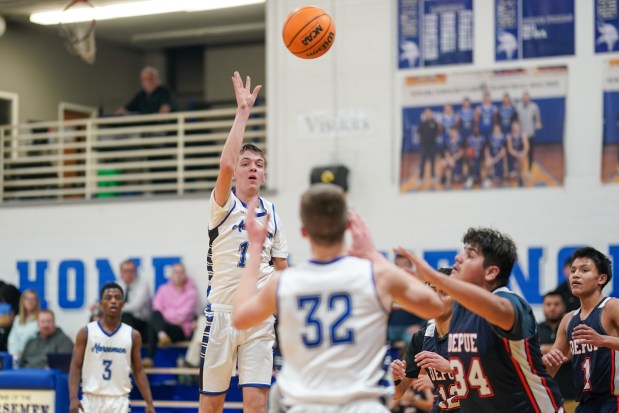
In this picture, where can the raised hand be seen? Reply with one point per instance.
(362, 244)
(427, 359)
(245, 98)
(398, 369)
(256, 232)
(422, 269)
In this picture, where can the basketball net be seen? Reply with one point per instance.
(79, 37)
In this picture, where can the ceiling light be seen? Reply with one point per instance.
(133, 9)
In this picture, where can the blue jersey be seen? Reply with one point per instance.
(517, 142)
(467, 117)
(506, 116)
(500, 371)
(496, 143)
(453, 146)
(448, 121)
(595, 368)
(477, 143)
(486, 119)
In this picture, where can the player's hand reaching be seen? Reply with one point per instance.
(422, 383)
(554, 358)
(422, 269)
(427, 359)
(256, 232)
(362, 243)
(584, 334)
(398, 369)
(245, 98)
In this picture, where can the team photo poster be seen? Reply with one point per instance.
(483, 130)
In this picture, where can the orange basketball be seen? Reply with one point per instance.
(308, 32)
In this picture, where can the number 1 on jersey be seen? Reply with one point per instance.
(586, 369)
(243, 250)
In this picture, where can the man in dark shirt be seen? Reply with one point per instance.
(50, 339)
(153, 98)
(428, 134)
(554, 310)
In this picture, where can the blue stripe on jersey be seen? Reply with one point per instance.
(105, 332)
(318, 262)
(226, 217)
(274, 219)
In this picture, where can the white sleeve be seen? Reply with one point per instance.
(280, 245)
(218, 213)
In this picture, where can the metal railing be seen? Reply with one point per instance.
(175, 153)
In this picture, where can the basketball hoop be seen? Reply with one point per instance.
(79, 36)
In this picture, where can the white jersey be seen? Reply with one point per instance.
(227, 253)
(107, 361)
(333, 333)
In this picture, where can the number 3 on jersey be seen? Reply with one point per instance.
(107, 373)
(338, 334)
(476, 379)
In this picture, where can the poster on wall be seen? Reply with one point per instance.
(528, 29)
(606, 26)
(434, 32)
(483, 130)
(610, 142)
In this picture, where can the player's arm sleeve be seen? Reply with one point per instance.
(218, 214)
(412, 369)
(525, 325)
(280, 245)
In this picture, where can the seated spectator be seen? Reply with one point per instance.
(25, 327)
(402, 324)
(136, 311)
(9, 307)
(51, 339)
(173, 316)
(153, 98)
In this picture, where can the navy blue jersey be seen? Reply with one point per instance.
(506, 115)
(496, 143)
(447, 400)
(500, 371)
(467, 117)
(477, 143)
(486, 119)
(453, 146)
(595, 368)
(517, 142)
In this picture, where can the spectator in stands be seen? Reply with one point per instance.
(136, 311)
(173, 316)
(9, 307)
(554, 310)
(402, 324)
(571, 302)
(51, 339)
(25, 326)
(153, 98)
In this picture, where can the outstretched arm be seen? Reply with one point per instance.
(138, 372)
(75, 371)
(245, 100)
(251, 306)
(392, 282)
(560, 350)
(496, 310)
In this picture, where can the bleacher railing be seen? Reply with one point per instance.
(121, 156)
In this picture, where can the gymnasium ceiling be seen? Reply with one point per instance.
(224, 26)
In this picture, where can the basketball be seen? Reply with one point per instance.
(470, 153)
(308, 32)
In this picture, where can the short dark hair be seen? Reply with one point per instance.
(111, 286)
(497, 248)
(602, 262)
(445, 270)
(553, 293)
(324, 213)
(255, 149)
